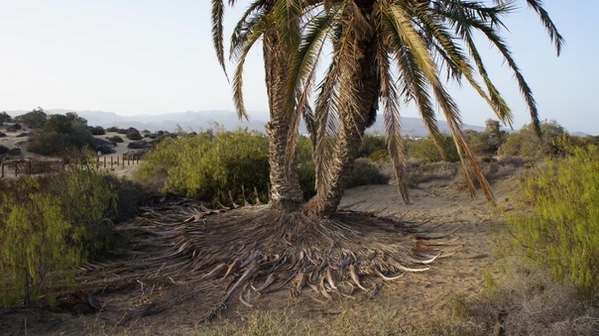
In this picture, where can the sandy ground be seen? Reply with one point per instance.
(413, 298)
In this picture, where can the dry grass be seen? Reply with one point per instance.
(525, 302)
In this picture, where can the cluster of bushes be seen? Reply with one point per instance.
(493, 141)
(61, 134)
(210, 164)
(559, 229)
(50, 225)
(5, 117)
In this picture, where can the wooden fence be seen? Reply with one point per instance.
(32, 167)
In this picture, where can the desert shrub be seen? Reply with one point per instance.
(134, 135)
(15, 151)
(365, 173)
(5, 117)
(307, 178)
(487, 142)
(2, 135)
(207, 166)
(372, 143)
(526, 143)
(48, 226)
(115, 139)
(379, 155)
(424, 171)
(560, 231)
(139, 145)
(425, 149)
(62, 134)
(112, 129)
(525, 302)
(14, 128)
(4, 150)
(34, 119)
(98, 130)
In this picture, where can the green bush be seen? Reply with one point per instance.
(34, 119)
(307, 178)
(379, 155)
(526, 143)
(97, 130)
(365, 173)
(5, 117)
(48, 226)
(372, 143)
(207, 166)
(62, 134)
(425, 149)
(561, 231)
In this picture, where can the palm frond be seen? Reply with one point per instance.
(417, 47)
(259, 29)
(255, 13)
(415, 81)
(390, 103)
(217, 31)
(554, 34)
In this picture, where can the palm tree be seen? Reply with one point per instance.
(383, 50)
(391, 51)
(277, 23)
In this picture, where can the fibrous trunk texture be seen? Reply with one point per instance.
(285, 188)
(354, 118)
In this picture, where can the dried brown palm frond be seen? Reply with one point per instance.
(258, 249)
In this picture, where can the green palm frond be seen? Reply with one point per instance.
(412, 76)
(255, 13)
(554, 34)
(450, 109)
(525, 89)
(327, 124)
(217, 31)
(391, 112)
(494, 99)
(259, 29)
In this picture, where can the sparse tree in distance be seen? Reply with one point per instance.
(5, 117)
(34, 119)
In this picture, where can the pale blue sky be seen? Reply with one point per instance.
(151, 57)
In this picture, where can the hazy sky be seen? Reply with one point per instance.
(155, 56)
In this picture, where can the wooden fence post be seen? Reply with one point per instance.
(2, 174)
(30, 168)
(16, 169)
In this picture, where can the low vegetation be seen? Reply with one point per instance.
(558, 225)
(49, 225)
(211, 164)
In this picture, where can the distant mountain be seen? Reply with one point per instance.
(196, 120)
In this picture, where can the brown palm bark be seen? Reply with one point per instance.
(353, 122)
(285, 190)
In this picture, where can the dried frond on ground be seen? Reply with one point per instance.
(257, 250)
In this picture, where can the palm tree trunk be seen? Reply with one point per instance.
(353, 123)
(285, 190)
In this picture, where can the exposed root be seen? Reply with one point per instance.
(259, 250)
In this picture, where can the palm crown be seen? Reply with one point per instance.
(384, 51)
